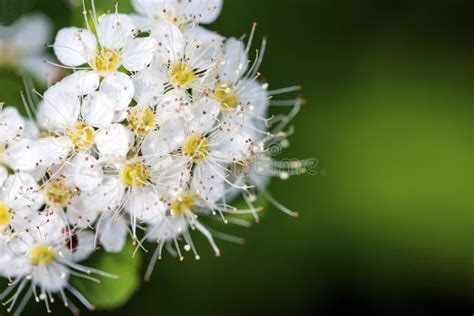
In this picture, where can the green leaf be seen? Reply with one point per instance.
(112, 293)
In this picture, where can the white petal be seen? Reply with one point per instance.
(206, 112)
(153, 7)
(113, 141)
(121, 115)
(80, 216)
(235, 63)
(98, 109)
(20, 191)
(120, 88)
(115, 30)
(255, 98)
(208, 182)
(54, 280)
(232, 146)
(64, 171)
(85, 246)
(142, 22)
(31, 130)
(174, 105)
(170, 173)
(202, 11)
(169, 228)
(12, 125)
(203, 44)
(59, 109)
(149, 86)
(107, 197)
(21, 155)
(164, 141)
(40, 68)
(145, 205)
(88, 172)
(31, 33)
(3, 175)
(170, 41)
(74, 47)
(112, 234)
(30, 155)
(138, 53)
(53, 150)
(81, 82)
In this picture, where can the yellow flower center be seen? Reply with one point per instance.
(5, 216)
(57, 194)
(107, 60)
(182, 75)
(82, 136)
(134, 175)
(197, 147)
(41, 256)
(183, 204)
(226, 97)
(141, 121)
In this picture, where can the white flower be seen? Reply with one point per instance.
(243, 100)
(20, 198)
(112, 233)
(182, 13)
(72, 125)
(12, 125)
(141, 182)
(134, 182)
(44, 259)
(22, 45)
(116, 45)
(184, 62)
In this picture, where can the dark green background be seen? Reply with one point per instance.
(387, 227)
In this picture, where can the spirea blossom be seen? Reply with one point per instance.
(160, 127)
(22, 47)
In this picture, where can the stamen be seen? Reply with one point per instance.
(182, 75)
(141, 121)
(82, 136)
(41, 256)
(134, 175)
(106, 61)
(57, 194)
(196, 147)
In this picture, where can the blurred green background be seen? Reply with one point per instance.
(386, 227)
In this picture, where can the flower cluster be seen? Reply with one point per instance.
(161, 125)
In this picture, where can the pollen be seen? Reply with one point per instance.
(107, 60)
(196, 147)
(5, 216)
(57, 194)
(141, 121)
(183, 204)
(82, 136)
(134, 175)
(41, 256)
(226, 97)
(182, 75)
